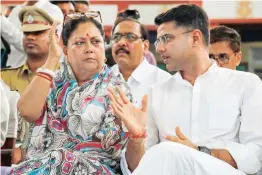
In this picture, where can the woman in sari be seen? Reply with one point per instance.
(76, 132)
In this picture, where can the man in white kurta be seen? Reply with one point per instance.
(128, 53)
(204, 120)
(9, 118)
(5, 111)
(221, 111)
(142, 78)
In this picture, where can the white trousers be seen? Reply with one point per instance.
(170, 158)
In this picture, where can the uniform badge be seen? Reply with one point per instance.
(30, 19)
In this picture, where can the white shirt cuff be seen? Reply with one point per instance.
(245, 159)
(123, 164)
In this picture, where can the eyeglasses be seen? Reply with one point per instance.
(222, 58)
(131, 37)
(89, 14)
(167, 38)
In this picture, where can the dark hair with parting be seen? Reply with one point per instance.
(223, 33)
(72, 24)
(187, 16)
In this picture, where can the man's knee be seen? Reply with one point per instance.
(166, 158)
(170, 147)
(170, 150)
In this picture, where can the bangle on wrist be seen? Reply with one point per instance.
(138, 136)
(46, 71)
(44, 76)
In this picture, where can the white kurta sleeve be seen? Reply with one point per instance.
(123, 164)
(13, 116)
(248, 153)
(12, 34)
(5, 111)
(151, 128)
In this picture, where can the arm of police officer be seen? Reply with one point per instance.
(33, 99)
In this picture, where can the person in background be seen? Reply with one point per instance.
(150, 57)
(66, 7)
(17, 57)
(35, 44)
(129, 46)
(82, 6)
(6, 28)
(225, 47)
(5, 111)
(8, 10)
(135, 15)
(109, 58)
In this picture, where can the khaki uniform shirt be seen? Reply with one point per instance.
(17, 78)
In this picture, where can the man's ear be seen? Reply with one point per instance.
(238, 57)
(197, 37)
(146, 46)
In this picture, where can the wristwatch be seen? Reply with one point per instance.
(204, 149)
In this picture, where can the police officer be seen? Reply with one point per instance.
(36, 24)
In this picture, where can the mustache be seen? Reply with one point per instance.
(122, 49)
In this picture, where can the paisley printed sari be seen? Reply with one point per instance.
(77, 132)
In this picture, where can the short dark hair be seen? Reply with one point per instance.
(143, 30)
(61, 2)
(129, 13)
(72, 24)
(189, 16)
(223, 33)
(83, 2)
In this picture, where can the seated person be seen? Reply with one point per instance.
(9, 123)
(5, 111)
(205, 120)
(17, 56)
(65, 6)
(134, 14)
(76, 131)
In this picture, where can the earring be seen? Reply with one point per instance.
(105, 59)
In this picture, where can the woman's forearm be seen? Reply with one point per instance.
(33, 98)
(134, 152)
